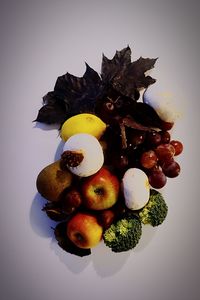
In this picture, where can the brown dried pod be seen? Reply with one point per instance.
(71, 158)
(54, 211)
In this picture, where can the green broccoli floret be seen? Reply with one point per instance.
(124, 234)
(155, 211)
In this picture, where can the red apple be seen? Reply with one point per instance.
(84, 230)
(101, 190)
(106, 217)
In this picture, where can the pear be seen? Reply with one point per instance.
(52, 181)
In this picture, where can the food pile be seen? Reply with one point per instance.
(118, 152)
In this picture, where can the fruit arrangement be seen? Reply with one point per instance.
(118, 152)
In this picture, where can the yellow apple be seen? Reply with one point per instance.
(84, 230)
(100, 191)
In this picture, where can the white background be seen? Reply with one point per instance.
(41, 40)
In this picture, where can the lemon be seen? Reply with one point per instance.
(82, 123)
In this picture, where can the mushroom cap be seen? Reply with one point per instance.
(136, 188)
(163, 101)
(91, 149)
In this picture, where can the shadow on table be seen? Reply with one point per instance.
(44, 227)
(105, 262)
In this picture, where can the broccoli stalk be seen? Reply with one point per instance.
(124, 234)
(155, 211)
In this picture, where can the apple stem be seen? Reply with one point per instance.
(99, 191)
(79, 237)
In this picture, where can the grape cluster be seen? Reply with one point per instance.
(157, 157)
(154, 152)
(151, 150)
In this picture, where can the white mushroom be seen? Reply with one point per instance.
(136, 188)
(83, 154)
(163, 102)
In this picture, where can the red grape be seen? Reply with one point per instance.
(154, 138)
(165, 137)
(167, 125)
(119, 160)
(136, 138)
(165, 152)
(171, 169)
(157, 178)
(148, 159)
(178, 146)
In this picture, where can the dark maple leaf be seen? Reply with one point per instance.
(79, 93)
(125, 76)
(133, 77)
(53, 111)
(111, 67)
(73, 95)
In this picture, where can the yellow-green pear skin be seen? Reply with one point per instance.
(52, 181)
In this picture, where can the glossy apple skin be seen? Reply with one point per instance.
(106, 218)
(101, 190)
(84, 230)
